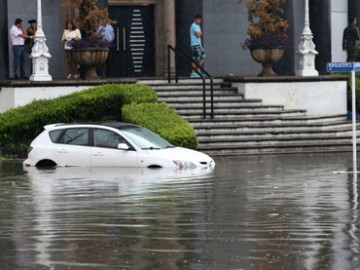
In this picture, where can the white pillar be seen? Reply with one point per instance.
(40, 52)
(307, 51)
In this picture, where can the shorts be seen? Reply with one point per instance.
(198, 53)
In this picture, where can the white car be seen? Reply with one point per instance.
(109, 145)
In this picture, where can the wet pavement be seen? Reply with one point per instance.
(259, 212)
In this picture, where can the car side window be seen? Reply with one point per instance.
(55, 135)
(75, 136)
(107, 139)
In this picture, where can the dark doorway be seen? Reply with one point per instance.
(133, 53)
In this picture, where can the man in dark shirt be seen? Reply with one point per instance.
(350, 37)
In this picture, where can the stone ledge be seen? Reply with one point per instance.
(256, 79)
(322, 95)
(64, 82)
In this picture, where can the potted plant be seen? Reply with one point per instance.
(268, 38)
(92, 50)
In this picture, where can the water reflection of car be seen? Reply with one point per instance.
(109, 145)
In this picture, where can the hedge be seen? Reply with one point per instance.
(133, 103)
(162, 120)
(18, 127)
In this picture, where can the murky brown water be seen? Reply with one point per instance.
(270, 213)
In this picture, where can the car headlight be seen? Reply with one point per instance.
(181, 164)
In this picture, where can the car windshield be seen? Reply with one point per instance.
(145, 139)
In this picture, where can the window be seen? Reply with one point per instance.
(107, 139)
(74, 136)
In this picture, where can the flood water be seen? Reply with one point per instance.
(259, 212)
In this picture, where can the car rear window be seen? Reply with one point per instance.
(72, 136)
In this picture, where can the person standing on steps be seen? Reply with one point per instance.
(198, 53)
(18, 36)
(29, 43)
(350, 37)
(106, 32)
(71, 32)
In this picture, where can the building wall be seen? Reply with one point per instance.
(51, 24)
(320, 19)
(339, 20)
(185, 12)
(225, 26)
(4, 55)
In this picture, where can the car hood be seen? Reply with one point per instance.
(179, 153)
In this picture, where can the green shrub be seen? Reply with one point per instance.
(162, 120)
(18, 127)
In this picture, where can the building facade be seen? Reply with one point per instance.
(145, 27)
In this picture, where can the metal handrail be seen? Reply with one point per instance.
(201, 74)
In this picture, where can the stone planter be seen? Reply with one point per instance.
(267, 57)
(90, 58)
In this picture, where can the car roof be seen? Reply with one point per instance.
(117, 125)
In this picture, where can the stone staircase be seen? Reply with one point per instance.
(242, 126)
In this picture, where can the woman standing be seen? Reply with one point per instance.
(29, 43)
(70, 32)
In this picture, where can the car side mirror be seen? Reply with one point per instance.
(123, 146)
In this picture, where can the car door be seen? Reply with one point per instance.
(105, 152)
(72, 149)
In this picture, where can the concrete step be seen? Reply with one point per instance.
(226, 106)
(217, 98)
(280, 148)
(186, 87)
(194, 81)
(231, 113)
(272, 130)
(197, 93)
(223, 121)
(261, 137)
(259, 140)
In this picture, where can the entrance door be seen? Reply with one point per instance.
(133, 53)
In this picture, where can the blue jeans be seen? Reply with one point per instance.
(19, 59)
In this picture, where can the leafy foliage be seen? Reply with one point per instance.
(18, 127)
(162, 120)
(134, 103)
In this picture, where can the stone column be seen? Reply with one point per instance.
(169, 30)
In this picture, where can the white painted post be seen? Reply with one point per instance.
(40, 52)
(307, 51)
(353, 92)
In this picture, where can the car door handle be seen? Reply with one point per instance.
(98, 155)
(62, 151)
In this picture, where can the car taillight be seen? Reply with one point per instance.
(30, 148)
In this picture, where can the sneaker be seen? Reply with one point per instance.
(195, 75)
(68, 76)
(76, 76)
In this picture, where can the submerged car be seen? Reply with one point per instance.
(109, 145)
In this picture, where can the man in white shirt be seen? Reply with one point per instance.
(106, 32)
(17, 36)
